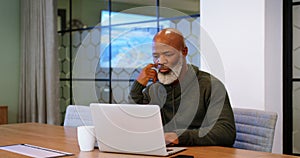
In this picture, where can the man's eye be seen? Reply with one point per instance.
(168, 54)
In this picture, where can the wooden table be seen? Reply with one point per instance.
(64, 139)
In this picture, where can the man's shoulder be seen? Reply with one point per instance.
(201, 74)
(205, 77)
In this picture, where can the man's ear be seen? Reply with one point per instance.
(185, 51)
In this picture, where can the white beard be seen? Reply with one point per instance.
(172, 75)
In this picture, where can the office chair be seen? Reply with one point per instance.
(255, 129)
(78, 115)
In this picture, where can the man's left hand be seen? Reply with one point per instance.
(171, 138)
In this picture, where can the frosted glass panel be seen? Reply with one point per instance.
(190, 28)
(296, 117)
(65, 97)
(186, 7)
(296, 74)
(64, 54)
(296, 42)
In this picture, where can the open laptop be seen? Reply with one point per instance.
(130, 128)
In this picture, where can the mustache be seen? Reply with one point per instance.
(164, 69)
(160, 66)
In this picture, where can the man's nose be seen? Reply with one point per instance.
(162, 60)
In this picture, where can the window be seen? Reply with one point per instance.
(136, 31)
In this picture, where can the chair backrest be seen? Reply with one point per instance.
(255, 129)
(78, 115)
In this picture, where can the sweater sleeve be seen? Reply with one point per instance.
(218, 126)
(136, 95)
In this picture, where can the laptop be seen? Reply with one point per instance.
(130, 128)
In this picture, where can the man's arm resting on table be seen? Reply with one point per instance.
(216, 136)
(220, 132)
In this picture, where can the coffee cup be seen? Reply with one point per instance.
(86, 137)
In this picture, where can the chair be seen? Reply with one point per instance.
(78, 115)
(255, 129)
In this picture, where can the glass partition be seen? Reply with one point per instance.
(103, 44)
(296, 78)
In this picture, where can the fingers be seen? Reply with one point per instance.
(146, 74)
(151, 74)
(171, 138)
(149, 66)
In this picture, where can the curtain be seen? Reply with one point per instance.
(39, 76)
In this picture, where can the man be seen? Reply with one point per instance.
(195, 106)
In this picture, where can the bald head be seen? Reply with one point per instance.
(170, 37)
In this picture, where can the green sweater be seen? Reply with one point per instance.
(197, 108)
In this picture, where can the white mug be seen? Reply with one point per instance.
(86, 137)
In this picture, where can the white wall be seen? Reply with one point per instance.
(247, 35)
(10, 56)
(273, 66)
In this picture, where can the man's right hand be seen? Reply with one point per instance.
(146, 74)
